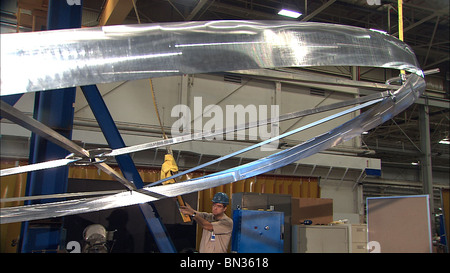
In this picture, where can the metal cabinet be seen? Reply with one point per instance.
(358, 235)
(257, 231)
(320, 239)
(267, 201)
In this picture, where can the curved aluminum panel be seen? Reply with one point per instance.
(63, 58)
(389, 52)
(252, 147)
(21, 119)
(385, 110)
(375, 116)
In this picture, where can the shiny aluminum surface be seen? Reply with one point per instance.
(375, 116)
(48, 133)
(252, 147)
(63, 58)
(19, 118)
(197, 47)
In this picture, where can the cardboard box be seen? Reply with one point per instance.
(318, 210)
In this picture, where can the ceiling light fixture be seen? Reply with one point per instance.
(378, 30)
(289, 13)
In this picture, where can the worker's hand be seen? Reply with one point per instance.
(187, 210)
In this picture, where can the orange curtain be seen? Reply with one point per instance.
(14, 186)
(294, 186)
(11, 186)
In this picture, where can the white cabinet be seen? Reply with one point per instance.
(343, 238)
(358, 235)
(320, 239)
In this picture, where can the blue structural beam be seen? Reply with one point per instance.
(127, 166)
(11, 99)
(111, 133)
(55, 109)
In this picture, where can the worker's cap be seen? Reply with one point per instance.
(221, 197)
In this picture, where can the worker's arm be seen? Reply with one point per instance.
(188, 210)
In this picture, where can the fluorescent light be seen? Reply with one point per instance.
(415, 163)
(379, 31)
(289, 13)
(445, 141)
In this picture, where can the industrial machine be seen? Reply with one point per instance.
(96, 239)
(257, 231)
(267, 201)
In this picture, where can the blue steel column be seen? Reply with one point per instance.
(55, 109)
(126, 164)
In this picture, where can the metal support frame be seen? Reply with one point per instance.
(318, 10)
(127, 166)
(54, 109)
(425, 159)
(53, 136)
(115, 12)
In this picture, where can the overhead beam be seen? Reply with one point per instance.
(317, 11)
(437, 62)
(176, 9)
(241, 12)
(429, 17)
(197, 8)
(431, 40)
(308, 77)
(115, 12)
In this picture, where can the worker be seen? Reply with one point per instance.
(217, 226)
